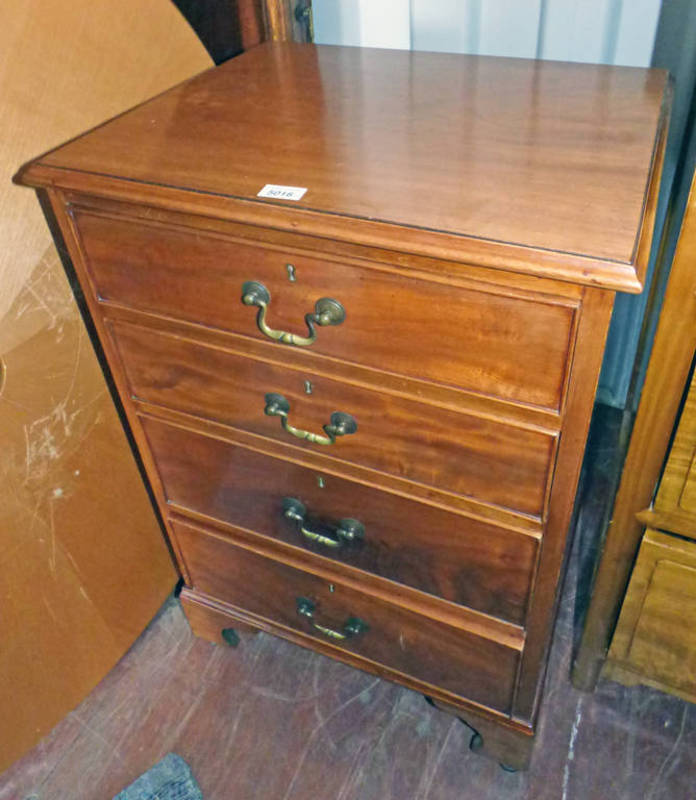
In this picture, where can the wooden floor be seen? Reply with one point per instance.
(270, 721)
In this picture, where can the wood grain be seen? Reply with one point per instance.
(208, 620)
(503, 740)
(448, 397)
(668, 370)
(281, 22)
(677, 490)
(459, 207)
(423, 605)
(425, 649)
(311, 459)
(493, 462)
(655, 637)
(592, 331)
(359, 254)
(681, 522)
(501, 342)
(463, 560)
(230, 712)
(541, 156)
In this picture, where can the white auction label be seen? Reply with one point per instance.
(282, 192)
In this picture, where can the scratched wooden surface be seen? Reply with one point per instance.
(74, 541)
(270, 721)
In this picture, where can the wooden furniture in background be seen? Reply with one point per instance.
(667, 376)
(289, 20)
(229, 27)
(83, 562)
(363, 412)
(674, 507)
(226, 27)
(655, 640)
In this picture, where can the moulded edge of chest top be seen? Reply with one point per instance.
(432, 272)
(456, 272)
(410, 243)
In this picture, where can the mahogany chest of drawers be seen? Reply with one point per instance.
(362, 397)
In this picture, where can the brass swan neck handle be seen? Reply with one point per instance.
(346, 531)
(326, 312)
(352, 627)
(340, 423)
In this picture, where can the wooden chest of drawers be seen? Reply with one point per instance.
(363, 411)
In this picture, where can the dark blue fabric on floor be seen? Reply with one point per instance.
(169, 779)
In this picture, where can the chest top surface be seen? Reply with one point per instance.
(553, 158)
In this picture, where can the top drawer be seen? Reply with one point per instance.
(479, 340)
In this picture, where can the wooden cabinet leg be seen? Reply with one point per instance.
(213, 624)
(230, 636)
(509, 746)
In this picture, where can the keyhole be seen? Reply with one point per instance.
(320, 482)
(290, 269)
(308, 387)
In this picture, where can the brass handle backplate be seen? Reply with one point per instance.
(352, 627)
(347, 531)
(326, 312)
(340, 424)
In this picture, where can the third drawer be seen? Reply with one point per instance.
(464, 560)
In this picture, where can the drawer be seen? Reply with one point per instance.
(463, 560)
(655, 637)
(515, 348)
(437, 653)
(494, 462)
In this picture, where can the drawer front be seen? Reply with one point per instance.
(426, 649)
(513, 348)
(491, 461)
(655, 636)
(460, 559)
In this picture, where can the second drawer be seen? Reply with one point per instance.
(463, 560)
(489, 460)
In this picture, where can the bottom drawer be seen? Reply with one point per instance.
(478, 669)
